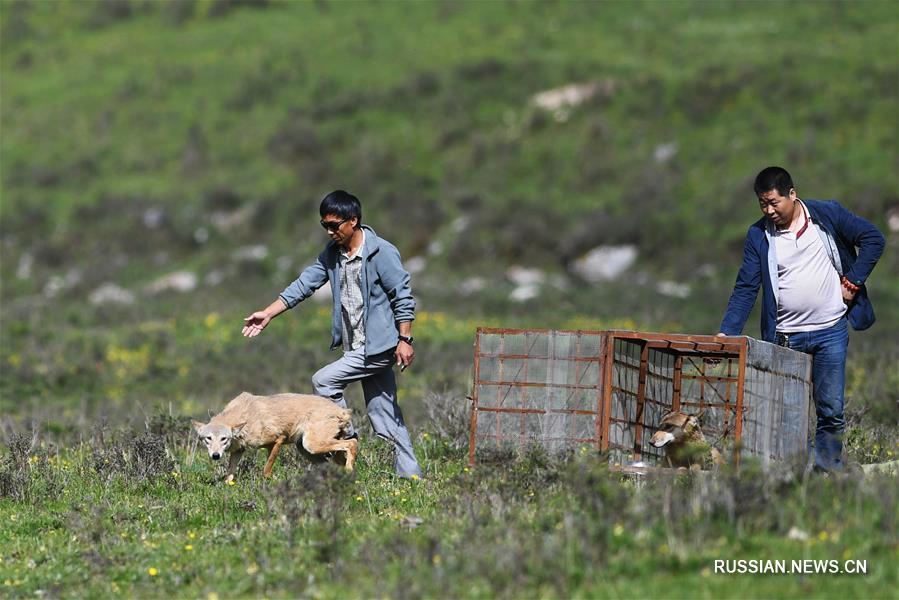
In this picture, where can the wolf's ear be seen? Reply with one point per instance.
(197, 425)
(237, 430)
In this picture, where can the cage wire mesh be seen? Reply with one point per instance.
(610, 389)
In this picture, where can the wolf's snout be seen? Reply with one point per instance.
(661, 438)
(215, 456)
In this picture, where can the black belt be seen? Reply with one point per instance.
(782, 339)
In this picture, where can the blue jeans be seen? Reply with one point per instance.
(828, 350)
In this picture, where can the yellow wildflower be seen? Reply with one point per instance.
(153, 571)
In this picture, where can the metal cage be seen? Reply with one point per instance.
(610, 389)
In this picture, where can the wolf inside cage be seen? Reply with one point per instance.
(798, 567)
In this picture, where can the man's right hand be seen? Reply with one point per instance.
(255, 323)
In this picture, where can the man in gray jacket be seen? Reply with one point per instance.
(372, 319)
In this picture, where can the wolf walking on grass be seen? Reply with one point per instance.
(251, 421)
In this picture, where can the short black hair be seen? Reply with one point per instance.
(343, 204)
(773, 178)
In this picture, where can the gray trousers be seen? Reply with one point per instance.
(379, 389)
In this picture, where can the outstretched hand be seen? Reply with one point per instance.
(255, 323)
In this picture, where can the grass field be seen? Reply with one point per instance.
(149, 516)
(141, 139)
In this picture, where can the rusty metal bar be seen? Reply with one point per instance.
(701, 383)
(522, 397)
(677, 337)
(502, 363)
(730, 364)
(537, 357)
(602, 423)
(733, 342)
(531, 384)
(537, 411)
(577, 380)
(741, 381)
(710, 378)
(548, 439)
(675, 395)
(513, 410)
(641, 398)
(705, 404)
(474, 398)
(692, 348)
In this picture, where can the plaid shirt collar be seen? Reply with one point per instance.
(344, 255)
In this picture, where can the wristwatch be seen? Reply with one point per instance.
(406, 338)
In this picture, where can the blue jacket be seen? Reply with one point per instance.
(387, 297)
(840, 230)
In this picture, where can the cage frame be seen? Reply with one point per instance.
(683, 346)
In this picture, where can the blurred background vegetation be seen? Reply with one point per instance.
(162, 164)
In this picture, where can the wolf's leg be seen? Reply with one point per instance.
(232, 465)
(272, 455)
(321, 441)
(351, 452)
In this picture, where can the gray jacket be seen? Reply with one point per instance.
(386, 294)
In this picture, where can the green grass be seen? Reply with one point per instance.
(200, 109)
(151, 517)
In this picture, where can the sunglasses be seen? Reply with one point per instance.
(333, 225)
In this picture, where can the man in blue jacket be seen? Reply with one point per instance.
(372, 316)
(803, 255)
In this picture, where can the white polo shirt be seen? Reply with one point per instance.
(809, 296)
